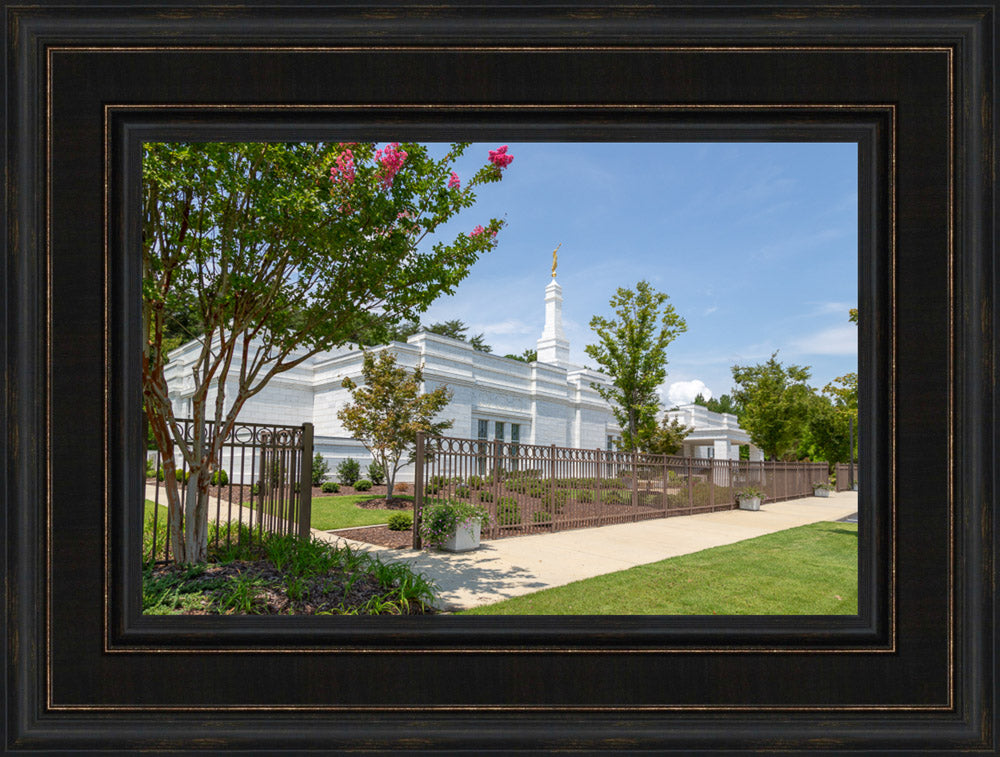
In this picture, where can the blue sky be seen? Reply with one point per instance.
(756, 245)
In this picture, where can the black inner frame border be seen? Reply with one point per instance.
(872, 128)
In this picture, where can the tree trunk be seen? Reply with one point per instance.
(174, 510)
(196, 522)
(390, 476)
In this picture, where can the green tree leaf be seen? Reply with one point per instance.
(268, 253)
(389, 410)
(632, 351)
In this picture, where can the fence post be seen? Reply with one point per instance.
(552, 485)
(635, 483)
(418, 491)
(711, 482)
(497, 451)
(690, 486)
(597, 482)
(305, 485)
(666, 475)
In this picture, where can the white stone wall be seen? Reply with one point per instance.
(552, 404)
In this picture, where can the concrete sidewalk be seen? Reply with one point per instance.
(503, 568)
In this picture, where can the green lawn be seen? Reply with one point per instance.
(809, 570)
(342, 511)
(328, 513)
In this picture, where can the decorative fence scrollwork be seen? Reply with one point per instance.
(261, 481)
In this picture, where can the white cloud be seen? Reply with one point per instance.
(510, 326)
(684, 392)
(832, 308)
(839, 340)
(797, 244)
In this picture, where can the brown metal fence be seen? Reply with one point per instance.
(261, 481)
(536, 489)
(847, 476)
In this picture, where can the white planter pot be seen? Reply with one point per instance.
(749, 503)
(465, 538)
(821, 492)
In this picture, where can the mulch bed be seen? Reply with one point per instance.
(322, 593)
(379, 535)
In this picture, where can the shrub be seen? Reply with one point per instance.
(440, 521)
(255, 489)
(319, 469)
(462, 491)
(431, 489)
(376, 474)
(438, 481)
(182, 475)
(508, 513)
(362, 485)
(540, 516)
(150, 467)
(485, 496)
(330, 487)
(402, 487)
(539, 490)
(613, 497)
(650, 499)
(220, 478)
(400, 522)
(476, 482)
(585, 495)
(349, 471)
(160, 475)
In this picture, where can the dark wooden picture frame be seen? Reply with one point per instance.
(914, 87)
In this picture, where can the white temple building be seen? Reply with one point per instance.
(550, 401)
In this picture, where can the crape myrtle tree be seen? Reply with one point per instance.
(279, 251)
(389, 410)
(632, 351)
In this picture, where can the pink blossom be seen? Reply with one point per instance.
(479, 230)
(343, 169)
(391, 158)
(500, 158)
(454, 182)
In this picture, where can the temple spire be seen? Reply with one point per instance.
(553, 346)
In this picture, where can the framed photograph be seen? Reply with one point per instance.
(93, 90)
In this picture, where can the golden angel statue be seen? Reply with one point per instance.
(555, 259)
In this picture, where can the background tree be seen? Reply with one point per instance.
(528, 356)
(281, 251)
(666, 438)
(776, 402)
(826, 432)
(632, 351)
(454, 329)
(723, 404)
(389, 410)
